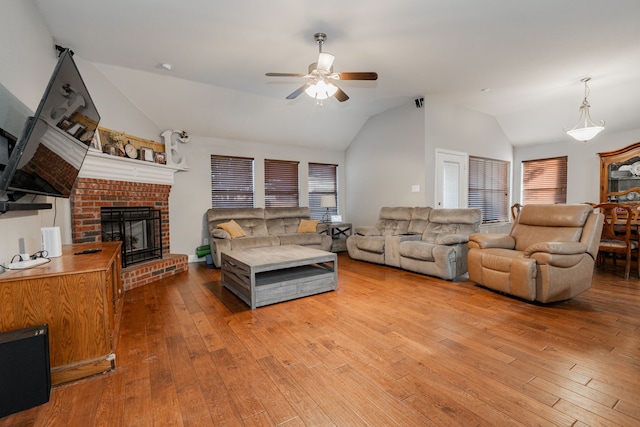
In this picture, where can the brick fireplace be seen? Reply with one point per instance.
(107, 181)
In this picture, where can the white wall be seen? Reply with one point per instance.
(583, 169)
(455, 128)
(191, 194)
(28, 59)
(382, 163)
(396, 149)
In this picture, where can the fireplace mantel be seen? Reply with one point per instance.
(99, 165)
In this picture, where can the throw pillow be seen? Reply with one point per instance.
(308, 226)
(233, 228)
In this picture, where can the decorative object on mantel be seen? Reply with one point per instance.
(118, 143)
(174, 158)
(95, 143)
(585, 130)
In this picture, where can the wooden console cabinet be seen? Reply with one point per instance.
(79, 297)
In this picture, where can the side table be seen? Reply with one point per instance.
(339, 231)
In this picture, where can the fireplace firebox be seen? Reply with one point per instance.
(138, 228)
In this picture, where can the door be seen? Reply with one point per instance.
(452, 180)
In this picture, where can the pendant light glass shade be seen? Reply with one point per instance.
(585, 129)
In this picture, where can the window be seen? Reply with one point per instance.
(489, 188)
(280, 184)
(231, 182)
(322, 182)
(544, 180)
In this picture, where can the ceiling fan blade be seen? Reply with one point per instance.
(340, 95)
(325, 61)
(358, 76)
(298, 91)
(284, 75)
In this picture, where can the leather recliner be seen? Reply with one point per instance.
(548, 256)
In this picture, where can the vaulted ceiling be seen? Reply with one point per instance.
(520, 61)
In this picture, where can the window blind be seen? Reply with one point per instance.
(322, 182)
(231, 182)
(544, 180)
(281, 184)
(489, 188)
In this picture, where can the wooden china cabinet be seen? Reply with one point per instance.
(620, 175)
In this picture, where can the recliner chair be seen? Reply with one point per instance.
(548, 256)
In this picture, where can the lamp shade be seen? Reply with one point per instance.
(327, 201)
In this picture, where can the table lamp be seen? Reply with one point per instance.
(327, 202)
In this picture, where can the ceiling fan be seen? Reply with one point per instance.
(321, 84)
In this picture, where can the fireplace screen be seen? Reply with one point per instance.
(138, 228)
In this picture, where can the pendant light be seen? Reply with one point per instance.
(585, 129)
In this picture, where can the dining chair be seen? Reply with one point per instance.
(617, 237)
(515, 210)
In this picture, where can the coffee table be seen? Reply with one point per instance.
(268, 275)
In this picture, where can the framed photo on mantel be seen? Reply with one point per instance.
(146, 153)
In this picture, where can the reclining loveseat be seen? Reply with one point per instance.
(419, 239)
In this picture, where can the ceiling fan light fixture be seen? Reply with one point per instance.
(321, 77)
(321, 90)
(585, 129)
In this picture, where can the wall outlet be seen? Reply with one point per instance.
(415, 188)
(205, 241)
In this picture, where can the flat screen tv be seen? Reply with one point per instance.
(47, 155)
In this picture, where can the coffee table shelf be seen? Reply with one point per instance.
(262, 276)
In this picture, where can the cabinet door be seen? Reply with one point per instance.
(620, 175)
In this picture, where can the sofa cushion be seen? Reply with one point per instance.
(367, 230)
(254, 242)
(419, 220)
(308, 226)
(371, 244)
(253, 227)
(303, 239)
(233, 229)
(284, 220)
(443, 222)
(394, 220)
(417, 250)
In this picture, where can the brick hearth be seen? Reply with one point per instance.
(90, 194)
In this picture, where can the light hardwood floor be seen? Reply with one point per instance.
(387, 348)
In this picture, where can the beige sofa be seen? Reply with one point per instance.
(261, 227)
(420, 239)
(549, 255)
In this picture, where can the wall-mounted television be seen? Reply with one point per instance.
(46, 157)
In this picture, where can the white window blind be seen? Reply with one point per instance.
(489, 188)
(322, 182)
(544, 180)
(231, 182)
(281, 184)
